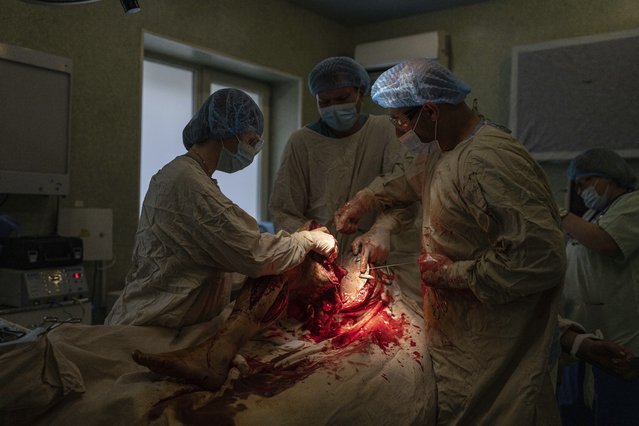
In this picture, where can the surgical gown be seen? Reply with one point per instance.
(318, 174)
(488, 207)
(188, 236)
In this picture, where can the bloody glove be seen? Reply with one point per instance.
(347, 217)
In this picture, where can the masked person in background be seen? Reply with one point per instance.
(326, 162)
(493, 259)
(602, 285)
(190, 234)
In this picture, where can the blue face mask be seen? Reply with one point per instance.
(231, 163)
(340, 117)
(593, 200)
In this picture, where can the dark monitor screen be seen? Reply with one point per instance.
(35, 98)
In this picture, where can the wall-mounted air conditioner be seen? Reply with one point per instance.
(383, 54)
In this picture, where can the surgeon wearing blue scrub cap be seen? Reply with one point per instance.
(339, 85)
(190, 234)
(327, 161)
(414, 91)
(225, 115)
(601, 286)
(492, 258)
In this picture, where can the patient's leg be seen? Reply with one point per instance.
(260, 302)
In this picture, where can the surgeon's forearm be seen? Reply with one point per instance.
(494, 281)
(457, 274)
(590, 235)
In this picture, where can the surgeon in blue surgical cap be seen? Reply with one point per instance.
(190, 234)
(328, 161)
(602, 281)
(492, 257)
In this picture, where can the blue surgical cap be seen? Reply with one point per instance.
(417, 82)
(337, 72)
(225, 113)
(602, 162)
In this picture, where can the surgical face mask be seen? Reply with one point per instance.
(232, 162)
(593, 200)
(340, 117)
(414, 144)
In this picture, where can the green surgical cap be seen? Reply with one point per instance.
(337, 72)
(225, 113)
(602, 162)
(417, 82)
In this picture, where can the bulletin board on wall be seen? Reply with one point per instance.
(574, 94)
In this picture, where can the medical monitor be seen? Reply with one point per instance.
(35, 110)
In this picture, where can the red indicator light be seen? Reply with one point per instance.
(77, 275)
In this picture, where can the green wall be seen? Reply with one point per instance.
(106, 48)
(482, 36)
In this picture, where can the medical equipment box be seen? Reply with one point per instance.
(40, 252)
(35, 287)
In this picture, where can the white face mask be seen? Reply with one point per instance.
(414, 144)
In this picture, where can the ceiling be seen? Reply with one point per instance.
(346, 12)
(360, 12)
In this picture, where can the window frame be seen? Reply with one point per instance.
(203, 77)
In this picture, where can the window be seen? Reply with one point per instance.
(170, 98)
(167, 105)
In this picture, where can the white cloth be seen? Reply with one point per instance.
(81, 374)
(602, 292)
(188, 236)
(319, 174)
(488, 207)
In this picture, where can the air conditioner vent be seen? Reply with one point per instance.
(383, 54)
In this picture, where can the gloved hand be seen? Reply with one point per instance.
(373, 246)
(320, 241)
(434, 269)
(347, 217)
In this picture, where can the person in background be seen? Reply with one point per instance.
(602, 285)
(189, 234)
(326, 162)
(493, 259)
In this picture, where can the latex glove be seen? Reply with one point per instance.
(320, 241)
(373, 246)
(434, 269)
(347, 217)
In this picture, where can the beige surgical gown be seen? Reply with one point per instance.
(488, 207)
(188, 236)
(318, 174)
